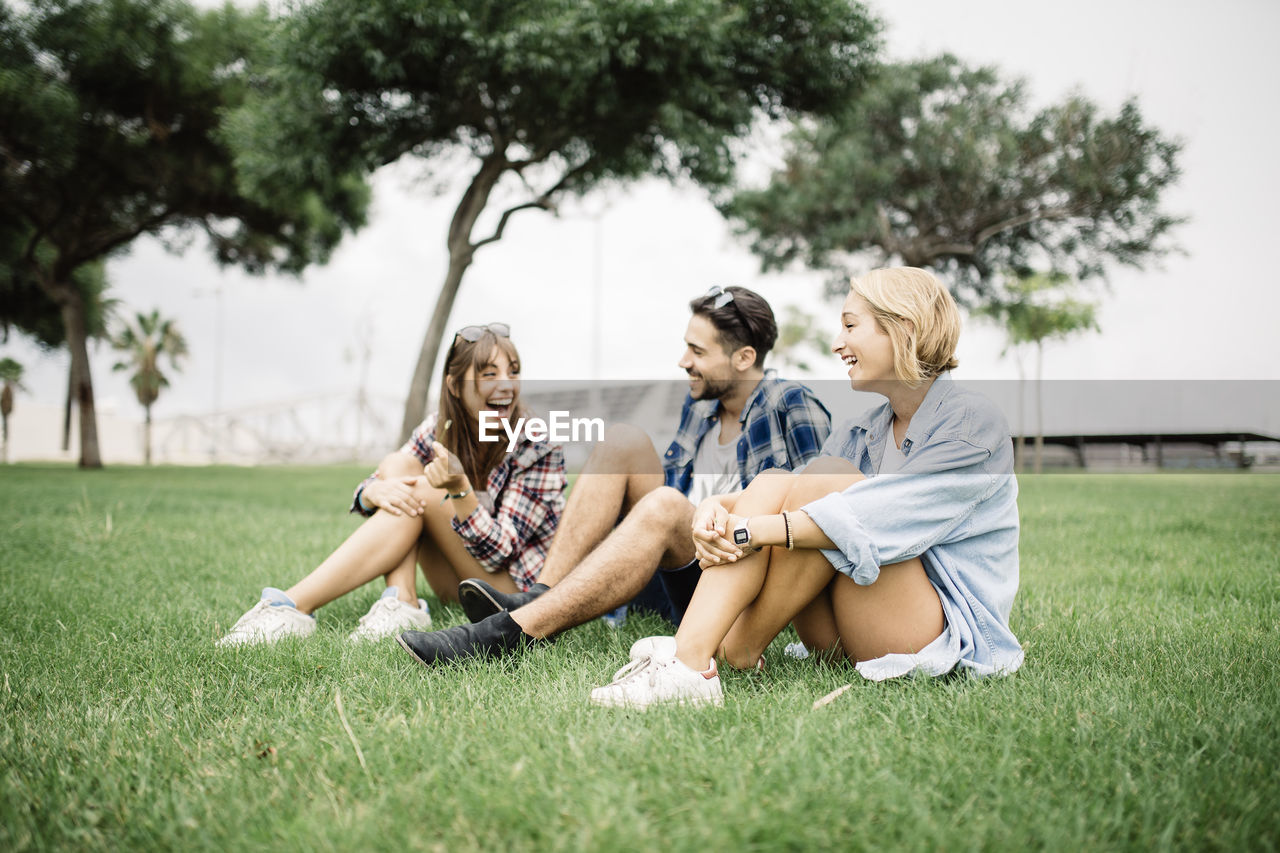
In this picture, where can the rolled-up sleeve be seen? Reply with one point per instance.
(887, 519)
(531, 498)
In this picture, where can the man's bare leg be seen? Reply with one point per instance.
(592, 580)
(655, 533)
(620, 471)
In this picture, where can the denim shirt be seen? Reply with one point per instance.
(953, 504)
(784, 425)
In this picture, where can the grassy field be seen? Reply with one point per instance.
(1145, 716)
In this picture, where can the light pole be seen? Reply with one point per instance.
(215, 432)
(597, 301)
(596, 217)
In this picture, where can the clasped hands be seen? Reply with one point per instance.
(712, 532)
(397, 495)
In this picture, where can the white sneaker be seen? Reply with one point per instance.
(266, 623)
(646, 646)
(656, 676)
(389, 616)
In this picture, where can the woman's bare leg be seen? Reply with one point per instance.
(380, 547)
(816, 626)
(898, 613)
(777, 584)
(404, 577)
(723, 592)
(444, 557)
(375, 548)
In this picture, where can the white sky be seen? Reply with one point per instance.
(1201, 73)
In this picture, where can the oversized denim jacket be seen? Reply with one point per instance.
(953, 504)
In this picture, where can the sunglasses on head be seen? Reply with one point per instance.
(471, 334)
(723, 297)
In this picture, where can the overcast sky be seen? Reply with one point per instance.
(1202, 72)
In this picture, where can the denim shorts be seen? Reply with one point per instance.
(669, 592)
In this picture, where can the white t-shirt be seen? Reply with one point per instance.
(892, 460)
(715, 469)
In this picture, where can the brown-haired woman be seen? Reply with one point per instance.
(459, 507)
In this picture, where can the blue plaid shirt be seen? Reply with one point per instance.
(783, 426)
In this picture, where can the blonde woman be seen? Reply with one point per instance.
(456, 506)
(897, 548)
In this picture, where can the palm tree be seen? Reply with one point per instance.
(11, 375)
(144, 340)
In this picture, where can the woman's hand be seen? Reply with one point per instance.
(711, 521)
(444, 471)
(395, 496)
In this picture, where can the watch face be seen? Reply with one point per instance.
(741, 536)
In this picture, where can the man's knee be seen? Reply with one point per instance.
(623, 450)
(664, 506)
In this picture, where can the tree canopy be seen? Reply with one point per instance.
(1036, 308)
(111, 118)
(936, 164)
(1033, 309)
(556, 95)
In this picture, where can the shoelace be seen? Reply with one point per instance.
(631, 671)
(252, 617)
(657, 667)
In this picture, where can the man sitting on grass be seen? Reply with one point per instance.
(736, 423)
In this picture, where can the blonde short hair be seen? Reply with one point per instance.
(919, 316)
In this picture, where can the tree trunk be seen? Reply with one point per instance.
(461, 252)
(1020, 449)
(73, 320)
(146, 437)
(66, 410)
(1039, 407)
(415, 407)
(6, 408)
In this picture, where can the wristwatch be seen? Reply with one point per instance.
(742, 536)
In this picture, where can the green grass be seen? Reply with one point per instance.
(1145, 716)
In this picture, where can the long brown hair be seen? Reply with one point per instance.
(462, 438)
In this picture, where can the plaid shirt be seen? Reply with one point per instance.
(783, 426)
(527, 490)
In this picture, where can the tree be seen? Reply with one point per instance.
(1033, 309)
(111, 127)
(936, 165)
(144, 340)
(544, 99)
(11, 376)
(26, 306)
(801, 336)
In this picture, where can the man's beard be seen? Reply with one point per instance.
(713, 389)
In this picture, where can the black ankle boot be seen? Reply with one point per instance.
(480, 601)
(492, 637)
